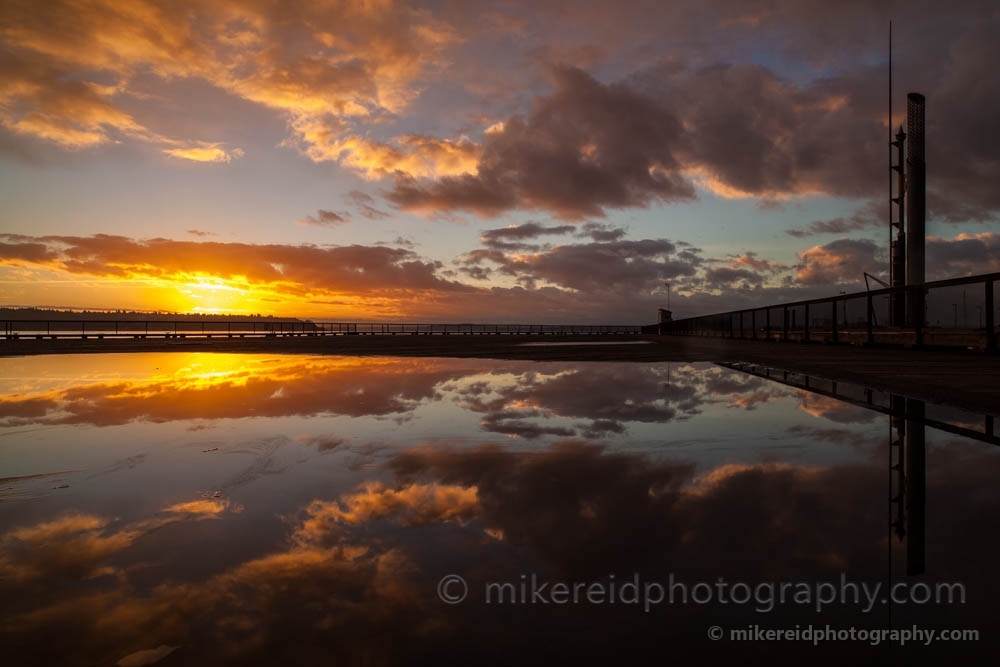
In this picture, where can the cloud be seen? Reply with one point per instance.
(834, 410)
(324, 218)
(323, 65)
(732, 278)
(365, 205)
(588, 146)
(204, 152)
(596, 267)
(408, 505)
(843, 261)
(964, 255)
(74, 545)
(556, 401)
(79, 545)
(785, 133)
(584, 148)
(40, 99)
(45, 98)
(149, 656)
(364, 564)
(603, 233)
(838, 262)
(297, 269)
(295, 387)
(347, 78)
(746, 271)
(518, 423)
(513, 237)
(407, 156)
(579, 282)
(204, 508)
(528, 230)
(866, 217)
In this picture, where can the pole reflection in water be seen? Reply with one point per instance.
(915, 486)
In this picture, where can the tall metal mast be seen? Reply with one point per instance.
(897, 213)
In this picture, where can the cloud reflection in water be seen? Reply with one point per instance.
(349, 575)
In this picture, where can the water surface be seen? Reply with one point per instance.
(268, 509)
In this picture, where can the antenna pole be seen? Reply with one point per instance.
(891, 281)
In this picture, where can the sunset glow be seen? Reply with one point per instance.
(406, 161)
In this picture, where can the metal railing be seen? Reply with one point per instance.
(960, 312)
(15, 329)
(982, 427)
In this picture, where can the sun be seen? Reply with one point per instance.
(211, 295)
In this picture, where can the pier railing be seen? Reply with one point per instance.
(104, 328)
(959, 312)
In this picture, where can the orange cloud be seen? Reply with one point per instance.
(824, 407)
(204, 507)
(410, 505)
(709, 482)
(329, 139)
(411, 155)
(204, 152)
(322, 64)
(188, 388)
(39, 99)
(71, 546)
(227, 276)
(78, 546)
(840, 261)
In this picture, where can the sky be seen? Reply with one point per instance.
(523, 161)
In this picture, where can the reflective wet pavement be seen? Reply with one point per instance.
(262, 509)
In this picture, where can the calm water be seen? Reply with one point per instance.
(256, 509)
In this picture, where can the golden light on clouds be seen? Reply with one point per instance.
(352, 282)
(211, 295)
(204, 153)
(342, 63)
(365, 121)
